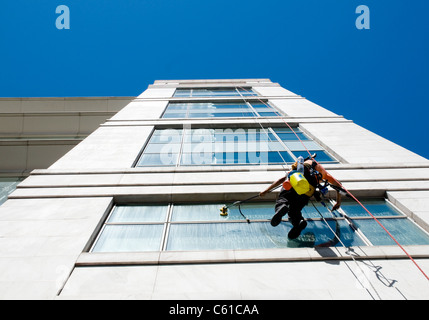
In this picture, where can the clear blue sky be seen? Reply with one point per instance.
(312, 47)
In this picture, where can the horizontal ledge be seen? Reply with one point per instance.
(219, 98)
(65, 98)
(58, 114)
(39, 142)
(225, 121)
(198, 183)
(250, 256)
(238, 168)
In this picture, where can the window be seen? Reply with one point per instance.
(219, 109)
(214, 92)
(7, 186)
(243, 146)
(189, 227)
(133, 228)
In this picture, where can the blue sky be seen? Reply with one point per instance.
(118, 47)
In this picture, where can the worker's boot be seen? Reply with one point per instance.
(277, 218)
(296, 230)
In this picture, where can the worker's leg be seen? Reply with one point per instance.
(296, 218)
(282, 207)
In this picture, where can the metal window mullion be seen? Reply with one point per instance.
(236, 89)
(282, 143)
(395, 207)
(134, 223)
(166, 230)
(179, 157)
(252, 108)
(378, 217)
(102, 228)
(97, 238)
(349, 221)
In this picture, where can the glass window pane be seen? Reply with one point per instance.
(232, 110)
(328, 237)
(284, 136)
(165, 138)
(246, 92)
(309, 212)
(200, 115)
(230, 158)
(174, 115)
(225, 105)
(286, 130)
(129, 238)
(162, 148)
(376, 207)
(198, 147)
(156, 159)
(215, 92)
(168, 132)
(221, 236)
(211, 212)
(199, 106)
(197, 158)
(298, 146)
(257, 235)
(261, 106)
(177, 106)
(182, 93)
(275, 157)
(322, 156)
(7, 186)
(199, 138)
(404, 231)
(146, 213)
(253, 211)
(268, 114)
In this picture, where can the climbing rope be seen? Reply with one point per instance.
(349, 251)
(345, 189)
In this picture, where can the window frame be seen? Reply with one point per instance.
(269, 131)
(168, 221)
(238, 93)
(248, 102)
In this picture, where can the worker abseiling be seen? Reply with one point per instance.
(298, 186)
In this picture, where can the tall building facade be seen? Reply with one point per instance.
(133, 211)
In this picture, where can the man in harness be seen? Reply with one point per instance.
(298, 186)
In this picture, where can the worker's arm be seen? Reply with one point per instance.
(272, 186)
(331, 180)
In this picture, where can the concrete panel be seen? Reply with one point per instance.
(413, 203)
(31, 105)
(13, 157)
(10, 105)
(301, 108)
(11, 125)
(378, 280)
(115, 105)
(43, 156)
(157, 93)
(272, 91)
(355, 144)
(39, 124)
(41, 240)
(141, 110)
(89, 123)
(86, 104)
(107, 147)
